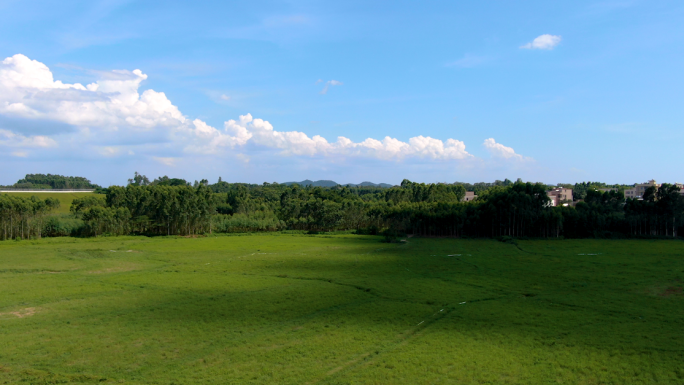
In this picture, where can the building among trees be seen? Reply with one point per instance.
(469, 196)
(560, 196)
(639, 189)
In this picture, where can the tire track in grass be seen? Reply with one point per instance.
(328, 280)
(366, 290)
(403, 339)
(274, 330)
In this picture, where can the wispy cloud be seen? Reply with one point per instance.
(165, 161)
(110, 151)
(233, 97)
(610, 5)
(243, 158)
(625, 128)
(468, 61)
(273, 28)
(285, 20)
(328, 84)
(545, 41)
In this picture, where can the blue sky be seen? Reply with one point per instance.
(597, 95)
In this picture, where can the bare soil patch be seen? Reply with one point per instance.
(116, 269)
(21, 313)
(671, 291)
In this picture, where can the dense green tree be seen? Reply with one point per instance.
(49, 181)
(139, 180)
(166, 181)
(24, 217)
(170, 206)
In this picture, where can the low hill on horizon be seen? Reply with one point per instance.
(330, 183)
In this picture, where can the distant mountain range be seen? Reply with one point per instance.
(330, 183)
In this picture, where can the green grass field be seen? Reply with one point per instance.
(65, 198)
(345, 309)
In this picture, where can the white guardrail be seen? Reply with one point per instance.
(7, 190)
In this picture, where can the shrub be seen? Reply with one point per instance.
(508, 239)
(63, 226)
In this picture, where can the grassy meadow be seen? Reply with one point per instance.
(65, 198)
(340, 309)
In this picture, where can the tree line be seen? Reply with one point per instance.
(49, 181)
(24, 218)
(168, 206)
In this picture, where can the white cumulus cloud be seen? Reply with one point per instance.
(248, 130)
(28, 89)
(498, 150)
(12, 139)
(112, 112)
(545, 41)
